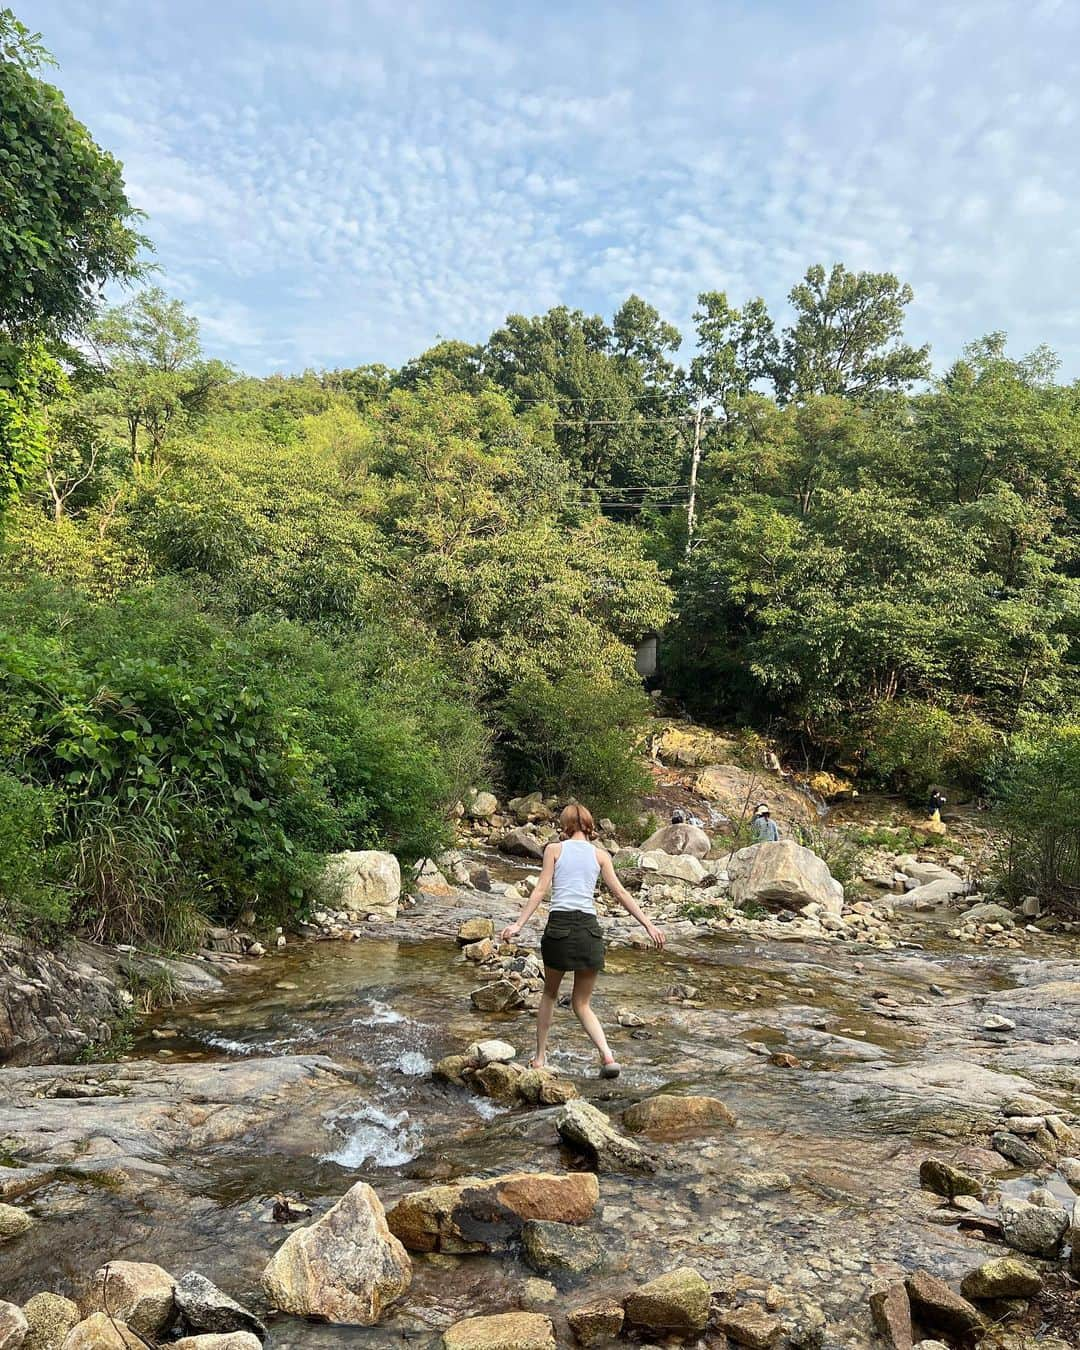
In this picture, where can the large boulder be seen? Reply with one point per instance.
(923, 872)
(937, 1306)
(679, 839)
(477, 1215)
(737, 791)
(135, 1292)
(588, 1131)
(690, 747)
(497, 996)
(677, 867)
(530, 808)
(522, 843)
(1003, 1277)
(1037, 1230)
(364, 881)
(667, 1114)
(503, 1331)
(50, 1317)
(13, 1326)
(202, 1307)
(934, 893)
(482, 806)
(676, 1302)
(345, 1268)
(783, 873)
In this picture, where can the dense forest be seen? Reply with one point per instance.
(245, 622)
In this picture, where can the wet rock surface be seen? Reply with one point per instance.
(317, 1071)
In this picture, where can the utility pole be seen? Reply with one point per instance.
(695, 460)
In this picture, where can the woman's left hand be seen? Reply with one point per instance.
(655, 934)
(510, 932)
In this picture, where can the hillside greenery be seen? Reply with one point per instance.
(246, 622)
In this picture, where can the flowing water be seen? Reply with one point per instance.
(815, 1191)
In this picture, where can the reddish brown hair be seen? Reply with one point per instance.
(576, 817)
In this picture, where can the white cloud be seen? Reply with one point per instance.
(392, 171)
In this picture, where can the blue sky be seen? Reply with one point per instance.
(342, 181)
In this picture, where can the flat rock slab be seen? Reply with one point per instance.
(157, 1110)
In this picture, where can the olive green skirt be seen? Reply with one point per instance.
(573, 941)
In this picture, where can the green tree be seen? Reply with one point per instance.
(66, 225)
(154, 373)
(847, 337)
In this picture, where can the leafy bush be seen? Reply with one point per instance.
(30, 897)
(572, 736)
(203, 768)
(908, 746)
(1039, 809)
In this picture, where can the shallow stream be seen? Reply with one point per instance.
(816, 1190)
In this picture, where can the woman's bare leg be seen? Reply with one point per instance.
(545, 1012)
(584, 984)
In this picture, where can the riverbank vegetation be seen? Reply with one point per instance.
(245, 622)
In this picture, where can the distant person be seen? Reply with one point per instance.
(936, 803)
(763, 827)
(572, 939)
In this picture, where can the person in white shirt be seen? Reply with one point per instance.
(572, 938)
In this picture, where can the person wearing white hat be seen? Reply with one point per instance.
(763, 827)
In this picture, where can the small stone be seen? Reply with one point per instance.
(203, 1308)
(227, 1340)
(996, 1023)
(596, 1322)
(933, 1302)
(783, 1059)
(13, 1222)
(627, 1018)
(676, 1302)
(499, 996)
(475, 930)
(891, 1313)
(944, 1179)
(668, 1114)
(589, 1131)
(504, 1331)
(491, 1052)
(1016, 1150)
(750, 1326)
(559, 1248)
(1004, 1277)
(13, 1326)
(101, 1332)
(286, 986)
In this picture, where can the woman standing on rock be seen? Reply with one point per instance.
(572, 939)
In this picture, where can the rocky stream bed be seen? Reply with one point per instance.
(845, 1065)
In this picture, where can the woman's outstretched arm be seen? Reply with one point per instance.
(619, 891)
(541, 889)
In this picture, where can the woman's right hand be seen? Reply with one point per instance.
(656, 935)
(510, 932)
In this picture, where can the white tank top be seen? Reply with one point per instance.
(576, 874)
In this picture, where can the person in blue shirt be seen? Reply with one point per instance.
(763, 827)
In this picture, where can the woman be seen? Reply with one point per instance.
(572, 939)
